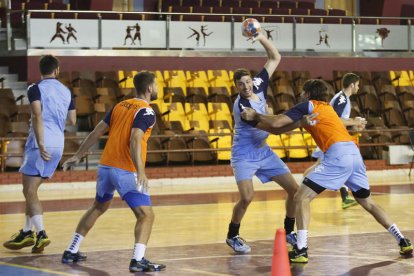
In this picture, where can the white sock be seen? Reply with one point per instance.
(396, 232)
(28, 225)
(76, 241)
(37, 221)
(345, 187)
(302, 239)
(139, 251)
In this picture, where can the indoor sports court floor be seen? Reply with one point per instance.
(191, 225)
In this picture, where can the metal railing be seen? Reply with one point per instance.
(167, 17)
(4, 141)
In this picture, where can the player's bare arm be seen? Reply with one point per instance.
(273, 55)
(135, 148)
(277, 124)
(93, 137)
(37, 121)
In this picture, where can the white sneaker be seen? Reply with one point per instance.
(239, 245)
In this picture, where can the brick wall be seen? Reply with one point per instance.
(182, 172)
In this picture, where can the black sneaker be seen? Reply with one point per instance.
(20, 240)
(406, 248)
(42, 241)
(69, 257)
(145, 265)
(298, 255)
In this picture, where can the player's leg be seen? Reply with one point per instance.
(347, 201)
(358, 182)
(143, 227)
(140, 204)
(305, 194)
(272, 168)
(31, 185)
(288, 183)
(72, 253)
(363, 197)
(104, 194)
(25, 237)
(246, 193)
(243, 169)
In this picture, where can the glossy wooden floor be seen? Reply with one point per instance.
(189, 238)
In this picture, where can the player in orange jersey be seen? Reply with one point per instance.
(122, 168)
(342, 163)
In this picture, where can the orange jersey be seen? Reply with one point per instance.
(329, 128)
(117, 149)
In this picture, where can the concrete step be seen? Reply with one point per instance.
(4, 70)
(9, 77)
(17, 85)
(20, 44)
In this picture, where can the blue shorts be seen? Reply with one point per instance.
(317, 153)
(342, 164)
(34, 165)
(124, 182)
(263, 163)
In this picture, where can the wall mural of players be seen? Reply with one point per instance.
(137, 35)
(383, 34)
(323, 36)
(70, 31)
(197, 35)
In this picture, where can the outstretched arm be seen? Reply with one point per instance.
(277, 124)
(273, 55)
(90, 140)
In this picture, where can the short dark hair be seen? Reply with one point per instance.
(239, 73)
(348, 79)
(317, 89)
(48, 64)
(143, 80)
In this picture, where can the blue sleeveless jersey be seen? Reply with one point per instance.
(55, 99)
(246, 137)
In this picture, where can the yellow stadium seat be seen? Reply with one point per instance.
(197, 116)
(176, 113)
(219, 78)
(295, 139)
(220, 111)
(221, 142)
(400, 78)
(276, 141)
(176, 79)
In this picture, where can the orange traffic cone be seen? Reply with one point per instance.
(280, 259)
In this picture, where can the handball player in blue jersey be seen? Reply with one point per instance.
(52, 106)
(250, 155)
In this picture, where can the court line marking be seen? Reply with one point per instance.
(204, 272)
(37, 269)
(407, 261)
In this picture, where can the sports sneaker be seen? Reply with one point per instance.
(348, 202)
(239, 245)
(20, 240)
(145, 265)
(41, 242)
(69, 257)
(298, 255)
(406, 248)
(291, 238)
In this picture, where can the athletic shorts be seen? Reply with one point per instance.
(317, 153)
(124, 182)
(263, 163)
(34, 165)
(342, 164)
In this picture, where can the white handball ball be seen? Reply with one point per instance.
(250, 27)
